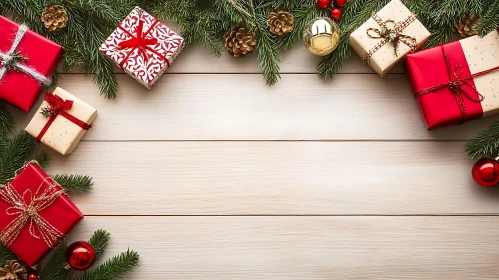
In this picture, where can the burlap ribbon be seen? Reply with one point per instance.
(11, 60)
(390, 32)
(27, 210)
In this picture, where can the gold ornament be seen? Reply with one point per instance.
(55, 17)
(322, 36)
(464, 25)
(239, 42)
(280, 21)
(13, 271)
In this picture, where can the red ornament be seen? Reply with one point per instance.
(33, 276)
(80, 255)
(340, 3)
(335, 13)
(486, 172)
(323, 3)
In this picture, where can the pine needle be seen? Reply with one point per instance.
(76, 184)
(485, 144)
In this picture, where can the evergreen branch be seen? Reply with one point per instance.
(490, 20)
(6, 120)
(5, 255)
(16, 152)
(77, 184)
(100, 241)
(55, 269)
(113, 268)
(486, 144)
(42, 158)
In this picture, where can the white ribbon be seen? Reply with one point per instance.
(7, 57)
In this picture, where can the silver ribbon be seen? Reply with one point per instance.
(6, 57)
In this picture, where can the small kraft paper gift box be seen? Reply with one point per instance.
(61, 121)
(28, 61)
(35, 214)
(143, 47)
(390, 34)
(456, 82)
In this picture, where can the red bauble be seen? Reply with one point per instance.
(340, 3)
(33, 276)
(486, 172)
(323, 3)
(80, 255)
(335, 13)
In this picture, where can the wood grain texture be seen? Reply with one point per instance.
(240, 107)
(277, 178)
(312, 248)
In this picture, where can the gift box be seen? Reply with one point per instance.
(456, 82)
(61, 121)
(27, 62)
(143, 47)
(384, 39)
(35, 214)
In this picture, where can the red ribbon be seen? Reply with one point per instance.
(455, 84)
(59, 106)
(140, 42)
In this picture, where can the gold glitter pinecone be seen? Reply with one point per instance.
(239, 42)
(13, 271)
(55, 17)
(280, 21)
(464, 25)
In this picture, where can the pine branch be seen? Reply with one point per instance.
(16, 152)
(490, 20)
(486, 144)
(100, 241)
(55, 269)
(42, 158)
(77, 184)
(113, 268)
(6, 120)
(5, 255)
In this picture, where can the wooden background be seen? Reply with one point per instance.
(214, 175)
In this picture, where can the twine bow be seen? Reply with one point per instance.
(140, 42)
(455, 84)
(11, 60)
(59, 106)
(390, 32)
(27, 208)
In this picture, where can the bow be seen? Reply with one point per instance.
(455, 84)
(139, 41)
(390, 32)
(27, 208)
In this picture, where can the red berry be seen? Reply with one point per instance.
(340, 3)
(323, 3)
(335, 13)
(486, 172)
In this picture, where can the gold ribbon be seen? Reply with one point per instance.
(29, 213)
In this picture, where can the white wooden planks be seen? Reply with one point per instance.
(312, 248)
(277, 178)
(241, 107)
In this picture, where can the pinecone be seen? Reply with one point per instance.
(55, 17)
(464, 25)
(280, 22)
(239, 42)
(13, 271)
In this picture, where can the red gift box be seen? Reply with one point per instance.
(452, 83)
(42, 55)
(30, 239)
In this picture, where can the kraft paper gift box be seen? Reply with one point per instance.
(372, 40)
(61, 121)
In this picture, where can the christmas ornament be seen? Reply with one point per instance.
(239, 42)
(13, 271)
(80, 255)
(335, 13)
(33, 276)
(321, 36)
(486, 172)
(464, 26)
(280, 22)
(323, 3)
(55, 17)
(340, 3)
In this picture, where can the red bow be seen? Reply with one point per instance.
(59, 106)
(140, 42)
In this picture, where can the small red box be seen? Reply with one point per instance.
(43, 55)
(62, 214)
